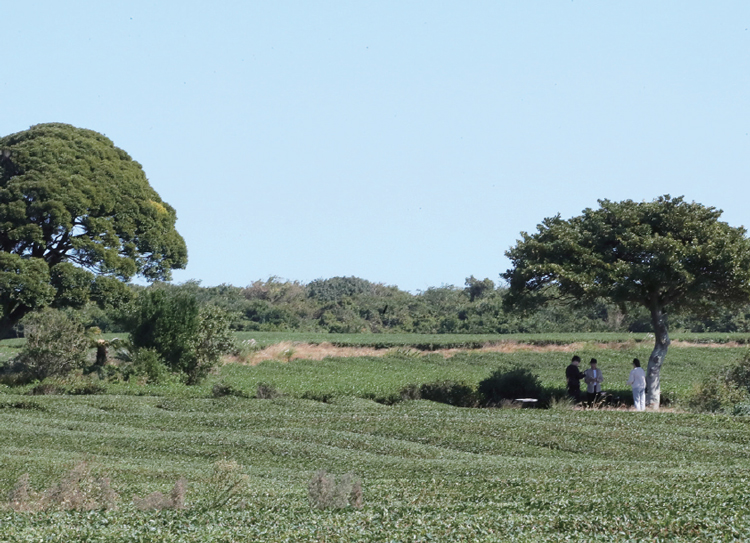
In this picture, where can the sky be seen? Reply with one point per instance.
(404, 142)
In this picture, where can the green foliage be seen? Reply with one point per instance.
(147, 365)
(716, 394)
(189, 339)
(165, 322)
(265, 391)
(448, 392)
(510, 385)
(24, 287)
(285, 306)
(739, 374)
(477, 289)
(74, 206)
(726, 391)
(666, 252)
(55, 345)
(220, 390)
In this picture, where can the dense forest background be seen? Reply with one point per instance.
(354, 305)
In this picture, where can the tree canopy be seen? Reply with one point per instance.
(76, 214)
(667, 254)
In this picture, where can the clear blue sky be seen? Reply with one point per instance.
(403, 142)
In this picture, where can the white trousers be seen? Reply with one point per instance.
(639, 398)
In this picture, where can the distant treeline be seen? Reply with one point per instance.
(354, 305)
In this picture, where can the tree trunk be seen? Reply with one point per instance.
(653, 375)
(9, 321)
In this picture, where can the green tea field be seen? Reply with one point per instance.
(429, 471)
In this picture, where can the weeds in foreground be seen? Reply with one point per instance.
(228, 487)
(78, 490)
(561, 404)
(158, 501)
(325, 492)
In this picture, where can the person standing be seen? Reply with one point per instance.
(573, 376)
(637, 380)
(593, 378)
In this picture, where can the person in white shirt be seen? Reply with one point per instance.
(638, 381)
(593, 379)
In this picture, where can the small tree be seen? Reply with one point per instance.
(190, 339)
(55, 344)
(664, 254)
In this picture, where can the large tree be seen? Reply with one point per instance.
(665, 255)
(77, 217)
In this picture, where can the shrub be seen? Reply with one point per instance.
(266, 392)
(220, 390)
(509, 385)
(724, 392)
(55, 345)
(716, 394)
(46, 389)
(450, 392)
(324, 492)
(189, 339)
(147, 365)
(410, 392)
(740, 373)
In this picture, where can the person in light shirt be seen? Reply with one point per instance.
(637, 380)
(593, 378)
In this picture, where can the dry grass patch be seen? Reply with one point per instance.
(286, 351)
(292, 350)
(78, 490)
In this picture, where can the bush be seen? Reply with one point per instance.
(266, 392)
(220, 390)
(449, 392)
(55, 345)
(510, 385)
(727, 392)
(188, 338)
(740, 373)
(146, 365)
(716, 394)
(74, 384)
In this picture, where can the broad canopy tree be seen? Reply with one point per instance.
(77, 217)
(665, 255)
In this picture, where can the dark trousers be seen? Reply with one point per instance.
(575, 392)
(593, 397)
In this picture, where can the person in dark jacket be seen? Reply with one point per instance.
(573, 375)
